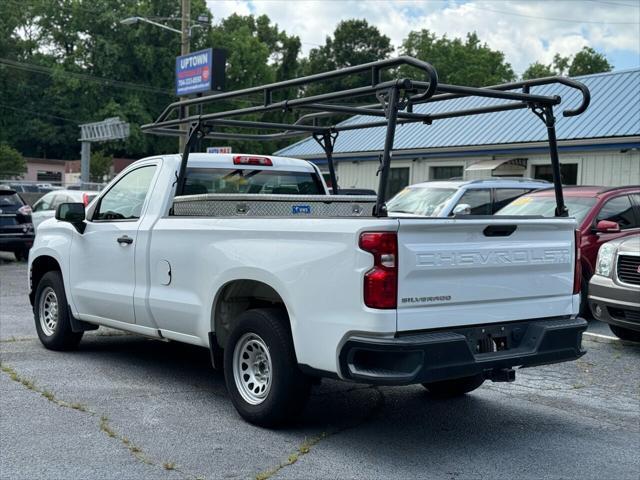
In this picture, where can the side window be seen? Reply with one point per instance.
(479, 200)
(125, 199)
(505, 196)
(398, 179)
(618, 210)
(57, 200)
(43, 204)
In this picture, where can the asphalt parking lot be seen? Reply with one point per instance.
(123, 406)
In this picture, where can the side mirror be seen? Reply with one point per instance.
(462, 209)
(72, 213)
(607, 226)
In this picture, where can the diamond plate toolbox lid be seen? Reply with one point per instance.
(256, 205)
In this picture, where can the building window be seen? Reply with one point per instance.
(48, 176)
(446, 173)
(398, 179)
(568, 173)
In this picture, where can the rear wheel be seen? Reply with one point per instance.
(260, 368)
(625, 333)
(51, 314)
(454, 387)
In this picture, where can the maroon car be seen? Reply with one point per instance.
(602, 213)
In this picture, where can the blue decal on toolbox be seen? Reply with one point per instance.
(301, 209)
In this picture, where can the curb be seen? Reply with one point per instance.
(599, 338)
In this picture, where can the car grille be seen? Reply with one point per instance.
(629, 269)
(622, 314)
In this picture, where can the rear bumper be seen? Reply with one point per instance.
(15, 242)
(453, 353)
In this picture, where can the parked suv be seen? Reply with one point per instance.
(470, 197)
(614, 289)
(16, 229)
(603, 214)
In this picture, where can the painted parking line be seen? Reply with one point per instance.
(598, 337)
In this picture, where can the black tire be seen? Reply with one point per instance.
(55, 334)
(454, 387)
(288, 388)
(21, 255)
(625, 333)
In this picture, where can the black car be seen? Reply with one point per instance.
(16, 229)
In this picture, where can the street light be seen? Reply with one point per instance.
(185, 33)
(133, 20)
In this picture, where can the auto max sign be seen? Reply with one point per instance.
(194, 72)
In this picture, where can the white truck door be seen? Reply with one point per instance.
(102, 274)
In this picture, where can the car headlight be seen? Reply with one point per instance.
(604, 263)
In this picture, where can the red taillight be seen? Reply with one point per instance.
(381, 282)
(85, 199)
(25, 210)
(250, 160)
(577, 272)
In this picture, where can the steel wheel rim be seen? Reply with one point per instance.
(48, 311)
(252, 368)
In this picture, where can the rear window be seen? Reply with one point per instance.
(546, 206)
(10, 199)
(232, 180)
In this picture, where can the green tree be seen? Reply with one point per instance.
(585, 62)
(12, 164)
(353, 42)
(100, 166)
(538, 70)
(462, 62)
(588, 61)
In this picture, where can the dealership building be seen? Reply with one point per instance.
(599, 147)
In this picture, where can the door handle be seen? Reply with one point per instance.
(125, 239)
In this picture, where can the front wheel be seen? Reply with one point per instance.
(625, 333)
(51, 314)
(260, 368)
(454, 387)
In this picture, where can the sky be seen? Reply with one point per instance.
(525, 30)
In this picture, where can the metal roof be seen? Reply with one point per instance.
(614, 112)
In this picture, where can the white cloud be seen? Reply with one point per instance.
(504, 25)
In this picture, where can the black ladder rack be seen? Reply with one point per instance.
(396, 99)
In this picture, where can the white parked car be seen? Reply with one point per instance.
(286, 287)
(45, 207)
(461, 197)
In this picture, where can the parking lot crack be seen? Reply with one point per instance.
(105, 423)
(307, 445)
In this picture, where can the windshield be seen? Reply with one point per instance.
(421, 201)
(546, 206)
(223, 180)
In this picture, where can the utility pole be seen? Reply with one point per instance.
(184, 50)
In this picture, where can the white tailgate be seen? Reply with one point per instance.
(451, 273)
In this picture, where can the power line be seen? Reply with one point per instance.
(42, 114)
(554, 19)
(617, 4)
(83, 76)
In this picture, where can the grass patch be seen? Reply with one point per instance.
(303, 449)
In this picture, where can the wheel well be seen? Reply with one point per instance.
(39, 267)
(237, 297)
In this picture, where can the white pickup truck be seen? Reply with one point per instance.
(284, 283)
(289, 291)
